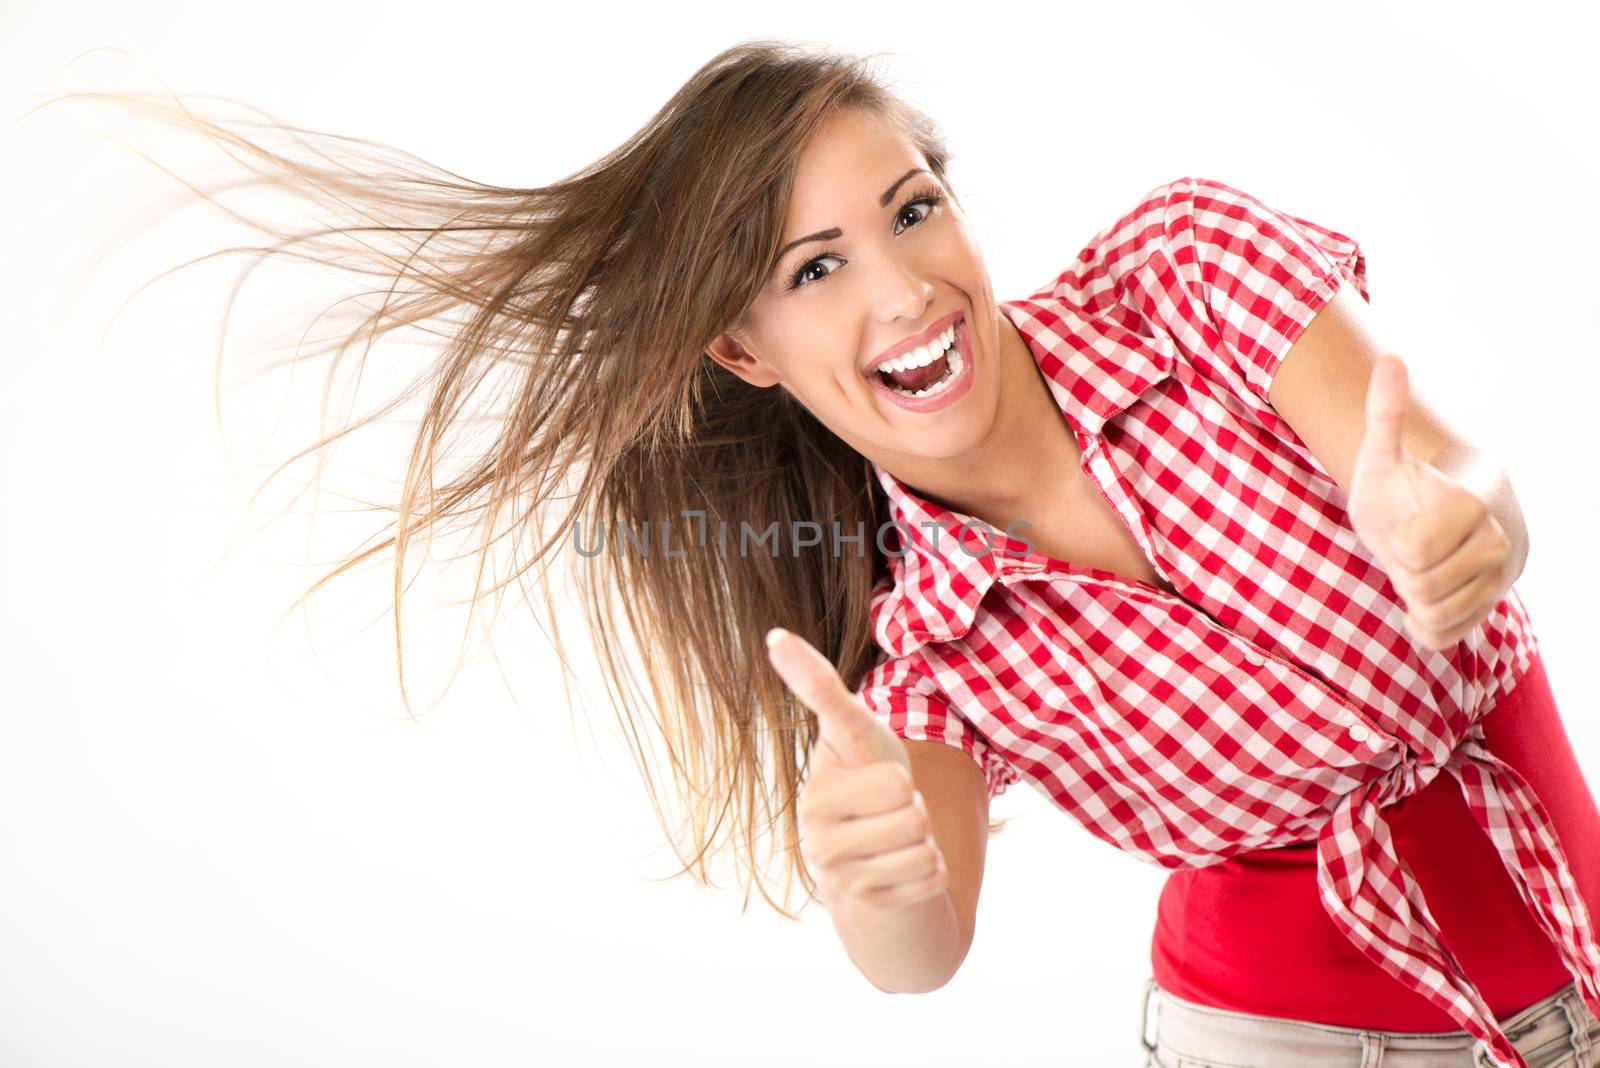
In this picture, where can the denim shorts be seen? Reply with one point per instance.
(1557, 1031)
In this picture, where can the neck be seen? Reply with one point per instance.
(1031, 447)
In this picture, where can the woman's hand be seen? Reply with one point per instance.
(1445, 553)
(865, 830)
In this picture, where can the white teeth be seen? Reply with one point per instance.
(923, 356)
(955, 362)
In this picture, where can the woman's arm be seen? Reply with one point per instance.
(1321, 389)
(919, 948)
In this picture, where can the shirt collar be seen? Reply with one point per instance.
(1095, 371)
(1095, 366)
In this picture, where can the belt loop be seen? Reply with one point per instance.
(1578, 1021)
(1373, 1044)
(1483, 1056)
(1146, 1035)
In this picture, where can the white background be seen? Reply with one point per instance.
(224, 842)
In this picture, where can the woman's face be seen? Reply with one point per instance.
(881, 255)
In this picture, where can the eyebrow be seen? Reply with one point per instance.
(833, 231)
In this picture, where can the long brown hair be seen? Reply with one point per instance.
(585, 307)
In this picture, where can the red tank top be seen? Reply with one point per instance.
(1250, 934)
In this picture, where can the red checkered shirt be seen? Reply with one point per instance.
(1276, 698)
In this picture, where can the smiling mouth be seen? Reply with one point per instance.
(929, 379)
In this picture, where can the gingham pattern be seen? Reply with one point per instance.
(1277, 699)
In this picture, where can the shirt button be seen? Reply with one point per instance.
(1254, 657)
(1358, 732)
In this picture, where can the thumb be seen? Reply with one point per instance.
(844, 723)
(1381, 443)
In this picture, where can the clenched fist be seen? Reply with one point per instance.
(1446, 555)
(865, 830)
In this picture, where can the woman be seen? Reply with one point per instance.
(1170, 601)
(1263, 710)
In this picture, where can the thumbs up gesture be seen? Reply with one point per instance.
(1445, 553)
(864, 826)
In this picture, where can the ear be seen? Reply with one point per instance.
(729, 351)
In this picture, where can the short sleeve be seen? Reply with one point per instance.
(898, 691)
(1256, 274)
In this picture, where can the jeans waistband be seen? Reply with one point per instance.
(1205, 1031)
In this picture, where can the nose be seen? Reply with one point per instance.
(906, 294)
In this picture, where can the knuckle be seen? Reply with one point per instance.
(916, 823)
(891, 896)
(880, 897)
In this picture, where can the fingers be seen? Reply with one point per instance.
(804, 670)
(904, 877)
(1446, 603)
(1454, 615)
(845, 725)
(1461, 614)
(853, 840)
(890, 859)
(867, 834)
(868, 791)
(1442, 532)
(1381, 442)
(1486, 549)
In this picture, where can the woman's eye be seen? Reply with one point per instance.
(924, 201)
(928, 201)
(800, 278)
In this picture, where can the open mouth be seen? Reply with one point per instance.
(928, 379)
